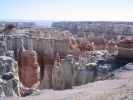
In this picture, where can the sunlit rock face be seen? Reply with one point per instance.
(125, 47)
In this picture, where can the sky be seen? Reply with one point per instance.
(69, 10)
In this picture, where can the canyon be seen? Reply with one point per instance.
(34, 59)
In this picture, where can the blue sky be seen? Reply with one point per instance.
(75, 10)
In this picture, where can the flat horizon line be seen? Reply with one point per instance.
(65, 20)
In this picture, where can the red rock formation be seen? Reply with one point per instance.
(48, 56)
(46, 49)
(125, 47)
(52, 46)
(29, 69)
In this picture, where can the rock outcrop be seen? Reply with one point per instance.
(68, 72)
(84, 45)
(84, 74)
(3, 47)
(62, 76)
(111, 48)
(9, 79)
(15, 43)
(125, 47)
(99, 42)
(57, 71)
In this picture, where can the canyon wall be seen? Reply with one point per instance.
(9, 78)
(107, 29)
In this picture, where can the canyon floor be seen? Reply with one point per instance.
(117, 89)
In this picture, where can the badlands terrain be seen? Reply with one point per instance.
(68, 61)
